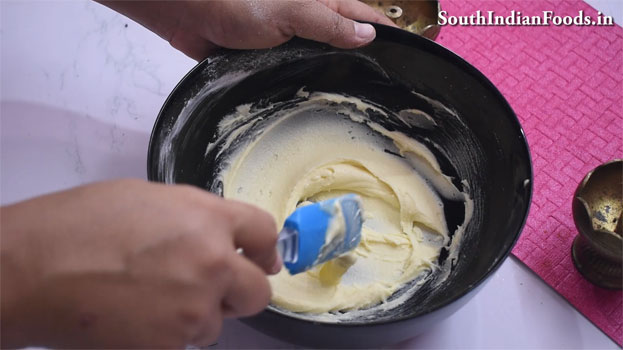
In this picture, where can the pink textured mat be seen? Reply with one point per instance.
(565, 84)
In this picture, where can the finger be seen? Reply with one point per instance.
(254, 231)
(209, 331)
(248, 292)
(357, 10)
(277, 265)
(192, 46)
(313, 20)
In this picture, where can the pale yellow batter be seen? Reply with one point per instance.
(315, 154)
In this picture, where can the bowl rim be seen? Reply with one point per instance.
(398, 36)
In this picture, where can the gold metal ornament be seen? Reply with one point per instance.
(417, 16)
(598, 215)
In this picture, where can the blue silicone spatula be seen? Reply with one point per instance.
(319, 232)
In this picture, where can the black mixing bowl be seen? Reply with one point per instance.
(477, 138)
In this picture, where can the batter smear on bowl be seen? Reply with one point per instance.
(324, 146)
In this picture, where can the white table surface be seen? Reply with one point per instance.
(81, 87)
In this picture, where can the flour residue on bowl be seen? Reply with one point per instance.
(324, 145)
(167, 156)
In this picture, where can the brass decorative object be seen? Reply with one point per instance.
(598, 214)
(417, 16)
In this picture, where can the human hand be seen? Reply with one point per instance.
(198, 27)
(131, 264)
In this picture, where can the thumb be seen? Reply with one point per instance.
(315, 21)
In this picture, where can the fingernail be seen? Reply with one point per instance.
(276, 266)
(364, 31)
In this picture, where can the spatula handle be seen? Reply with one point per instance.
(287, 245)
